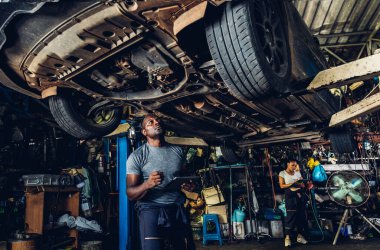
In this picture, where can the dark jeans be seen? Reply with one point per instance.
(153, 236)
(296, 213)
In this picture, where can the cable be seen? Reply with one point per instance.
(271, 176)
(313, 209)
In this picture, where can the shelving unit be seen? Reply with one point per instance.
(40, 203)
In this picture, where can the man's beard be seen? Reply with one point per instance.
(157, 133)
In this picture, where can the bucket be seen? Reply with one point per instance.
(277, 229)
(238, 215)
(92, 245)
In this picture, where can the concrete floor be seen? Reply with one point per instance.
(344, 244)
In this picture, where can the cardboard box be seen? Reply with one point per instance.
(220, 210)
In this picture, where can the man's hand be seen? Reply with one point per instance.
(154, 179)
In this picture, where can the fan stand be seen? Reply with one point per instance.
(344, 219)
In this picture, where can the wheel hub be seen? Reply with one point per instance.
(270, 35)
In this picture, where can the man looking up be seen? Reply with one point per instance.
(149, 169)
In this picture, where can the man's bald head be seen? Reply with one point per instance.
(151, 126)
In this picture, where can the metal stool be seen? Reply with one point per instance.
(210, 233)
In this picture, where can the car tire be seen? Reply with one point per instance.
(71, 121)
(342, 142)
(241, 51)
(232, 155)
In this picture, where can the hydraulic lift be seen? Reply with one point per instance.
(346, 74)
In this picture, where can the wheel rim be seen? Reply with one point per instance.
(86, 107)
(104, 116)
(271, 37)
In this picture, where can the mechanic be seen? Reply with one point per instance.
(161, 212)
(295, 202)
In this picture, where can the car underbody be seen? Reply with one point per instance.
(154, 56)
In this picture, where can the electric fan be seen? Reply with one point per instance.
(350, 190)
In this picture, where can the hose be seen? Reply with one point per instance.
(314, 210)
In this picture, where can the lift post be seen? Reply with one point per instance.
(359, 70)
(125, 211)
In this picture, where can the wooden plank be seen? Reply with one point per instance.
(363, 107)
(348, 73)
(34, 212)
(72, 204)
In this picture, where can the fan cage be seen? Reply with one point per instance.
(354, 181)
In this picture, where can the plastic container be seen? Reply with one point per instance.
(277, 229)
(197, 232)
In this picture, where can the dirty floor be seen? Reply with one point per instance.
(344, 244)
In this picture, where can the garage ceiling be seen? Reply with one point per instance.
(346, 29)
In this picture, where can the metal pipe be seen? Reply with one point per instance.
(337, 45)
(377, 27)
(355, 33)
(334, 55)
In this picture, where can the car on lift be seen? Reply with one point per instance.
(221, 70)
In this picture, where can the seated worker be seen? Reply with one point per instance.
(295, 203)
(160, 211)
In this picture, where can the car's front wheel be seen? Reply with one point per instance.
(84, 118)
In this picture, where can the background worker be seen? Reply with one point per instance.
(295, 203)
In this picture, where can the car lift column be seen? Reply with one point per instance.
(126, 222)
(121, 185)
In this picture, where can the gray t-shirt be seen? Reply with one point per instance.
(168, 159)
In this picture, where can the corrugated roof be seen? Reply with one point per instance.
(339, 23)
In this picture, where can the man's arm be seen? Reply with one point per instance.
(137, 190)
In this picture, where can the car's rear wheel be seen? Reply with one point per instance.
(248, 42)
(83, 118)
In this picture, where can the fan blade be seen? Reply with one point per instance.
(340, 194)
(356, 196)
(338, 181)
(356, 182)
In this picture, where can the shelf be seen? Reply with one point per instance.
(50, 189)
(64, 242)
(54, 227)
(39, 200)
